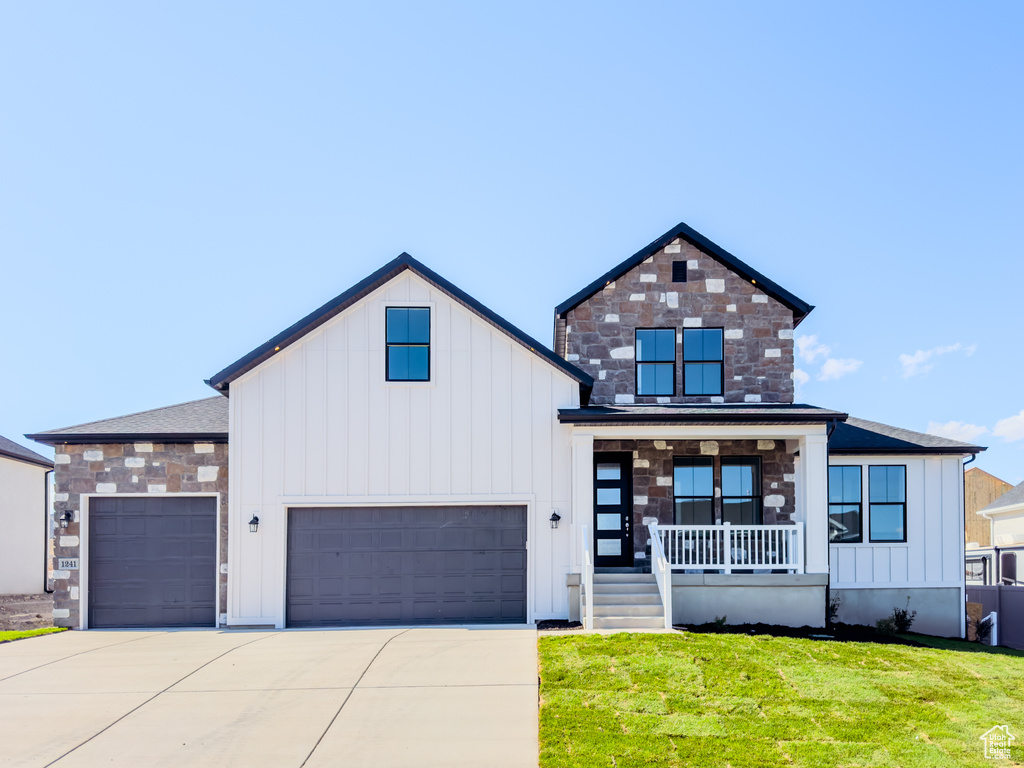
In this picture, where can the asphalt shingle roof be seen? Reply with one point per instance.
(859, 436)
(1013, 496)
(11, 450)
(196, 420)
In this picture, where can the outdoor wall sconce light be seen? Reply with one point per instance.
(555, 517)
(254, 524)
(66, 518)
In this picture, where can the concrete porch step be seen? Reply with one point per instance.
(623, 569)
(626, 589)
(629, 622)
(630, 610)
(627, 598)
(624, 578)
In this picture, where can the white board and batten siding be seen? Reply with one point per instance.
(932, 555)
(318, 424)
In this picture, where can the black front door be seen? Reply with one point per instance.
(613, 510)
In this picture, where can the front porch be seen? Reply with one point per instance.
(719, 515)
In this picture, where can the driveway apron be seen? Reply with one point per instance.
(372, 697)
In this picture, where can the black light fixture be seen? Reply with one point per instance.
(254, 524)
(555, 517)
(67, 518)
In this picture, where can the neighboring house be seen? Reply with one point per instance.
(995, 574)
(405, 455)
(23, 515)
(1003, 561)
(980, 490)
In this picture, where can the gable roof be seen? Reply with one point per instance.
(1011, 498)
(11, 450)
(861, 437)
(199, 420)
(799, 307)
(222, 380)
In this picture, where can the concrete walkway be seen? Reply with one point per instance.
(375, 697)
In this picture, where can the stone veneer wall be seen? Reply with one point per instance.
(652, 477)
(758, 352)
(116, 468)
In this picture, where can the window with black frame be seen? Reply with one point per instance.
(741, 490)
(887, 503)
(655, 361)
(408, 344)
(694, 490)
(844, 505)
(702, 361)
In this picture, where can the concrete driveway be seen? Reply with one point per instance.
(373, 697)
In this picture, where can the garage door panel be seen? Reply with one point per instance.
(513, 561)
(351, 566)
(389, 586)
(152, 562)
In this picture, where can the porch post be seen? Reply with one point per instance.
(582, 512)
(814, 468)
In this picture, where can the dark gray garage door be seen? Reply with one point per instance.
(406, 565)
(152, 562)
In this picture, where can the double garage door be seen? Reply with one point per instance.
(406, 565)
(152, 562)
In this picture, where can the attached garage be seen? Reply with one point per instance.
(152, 562)
(351, 566)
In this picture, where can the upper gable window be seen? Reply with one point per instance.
(702, 361)
(408, 344)
(656, 361)
(678, 271)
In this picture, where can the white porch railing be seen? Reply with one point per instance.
(587, 581)
(729, 547)
(662, 573)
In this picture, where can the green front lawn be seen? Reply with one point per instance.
(6, 636)
(734, 700)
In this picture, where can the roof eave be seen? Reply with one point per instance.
(1005, 509)
(222, 380)
(40, 462)
(565, 417)
(908, 451)
(129, 437)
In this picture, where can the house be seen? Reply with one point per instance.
(23, 514)
(994, 574)
(1001, 562)
(405, 455)
(980, 490)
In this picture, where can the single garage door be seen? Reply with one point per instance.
(152, 562)
(406, 565)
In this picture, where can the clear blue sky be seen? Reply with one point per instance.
(179, 182)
